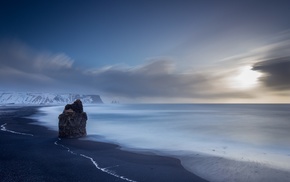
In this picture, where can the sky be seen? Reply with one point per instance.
(137, 51)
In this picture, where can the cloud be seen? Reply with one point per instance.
(277, 46)
(24, 67)
(158, 79)
(276, 73)
(22, 57)
(54, 61)
(272, 60)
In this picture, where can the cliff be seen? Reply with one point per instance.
(46, 98)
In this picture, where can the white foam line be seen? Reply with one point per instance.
(105, 169)
(95, 163)
(3, 128)
(65, 147)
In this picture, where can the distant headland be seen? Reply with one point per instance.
(30, 98)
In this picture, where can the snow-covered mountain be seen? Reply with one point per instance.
(46, 98)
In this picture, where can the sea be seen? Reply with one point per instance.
(218, 142)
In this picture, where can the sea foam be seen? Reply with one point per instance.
(217, 142)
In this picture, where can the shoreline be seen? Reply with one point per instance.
(107, 161)
(42, 157)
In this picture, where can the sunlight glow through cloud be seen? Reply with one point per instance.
(246, 78)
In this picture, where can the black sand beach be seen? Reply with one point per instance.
(43, 157)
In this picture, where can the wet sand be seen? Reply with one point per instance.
(31, 152)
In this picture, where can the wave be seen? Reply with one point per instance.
(216, 142)
(105, 170)
(3, 128)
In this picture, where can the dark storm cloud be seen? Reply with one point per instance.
(276, 73)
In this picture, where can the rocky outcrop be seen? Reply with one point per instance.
(72, 122)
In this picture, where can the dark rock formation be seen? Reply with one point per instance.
(72, 122)
(77, 106)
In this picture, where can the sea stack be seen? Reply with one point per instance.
(72, 122)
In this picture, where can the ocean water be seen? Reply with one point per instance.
(219, 142)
